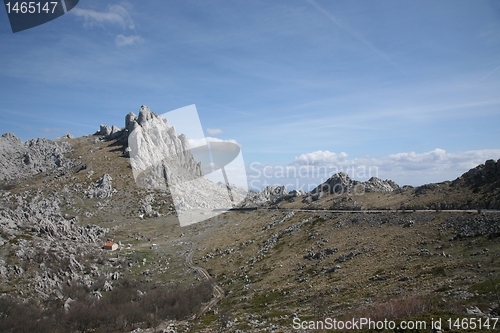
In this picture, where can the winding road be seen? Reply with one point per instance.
(217, 290)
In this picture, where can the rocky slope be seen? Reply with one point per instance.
(20, 160)
(341, 183)
(478, 188)
(42, 249)
(61, 200)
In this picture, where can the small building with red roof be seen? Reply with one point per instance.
(110, 246)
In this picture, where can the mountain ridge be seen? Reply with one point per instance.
(272, 264)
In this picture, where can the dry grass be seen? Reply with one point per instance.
(396, 308)
(388, 258)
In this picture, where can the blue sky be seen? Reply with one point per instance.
(411, 87)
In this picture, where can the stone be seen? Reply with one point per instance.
(341, 183)
(19, 160)
(107, 286)
(268, 195)
(104, 130)
(116, 132)
(67, 304)
(40, 217)
(474, 310)
(101, 189)
(162, 160)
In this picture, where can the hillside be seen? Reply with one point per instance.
(301, 255)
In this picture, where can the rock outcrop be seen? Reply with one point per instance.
(269, 195)
(19, 160)
(49, 245)
(157, 150)
(101, 189)
(161, 159)
(487, 173)
(341, 183)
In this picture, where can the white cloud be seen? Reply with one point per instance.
(320, 158)
(214, 131)
(116, 14)
(122, 40)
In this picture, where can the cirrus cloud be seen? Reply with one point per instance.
(122, 40)
(116, 14)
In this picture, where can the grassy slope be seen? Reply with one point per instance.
(382, 246)
(281, 282)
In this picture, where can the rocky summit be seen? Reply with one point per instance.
(21, 159)
(90, 241)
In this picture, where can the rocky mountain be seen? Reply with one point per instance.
(296, 255)
(161, 159)
(22, 159)
(267, 196)
(484, 182)
(478, 188)
(157, 154)
(340, 183)
(487, 174)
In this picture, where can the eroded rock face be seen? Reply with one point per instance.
(102, 189)
(341, 183)
(161, 159)
(271, 194)
(489, 172)
(51, 245)
(19, 160)
(337, 183)
(155, 148)
(104, 130)
(375, 184)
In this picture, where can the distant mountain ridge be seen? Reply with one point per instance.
(478, 188)
(156, 140)
(61, 200)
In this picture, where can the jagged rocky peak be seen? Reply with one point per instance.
(104, 130)
(342, 183)
(130, 122)
(375, 184)
(488, 172)
(273, 191)
(19, 160)
(146, 118)
(11, 138)
(111, 133)
(268, 195)
(161, 159)
(156, 152)
(145, 115)
(338, 182)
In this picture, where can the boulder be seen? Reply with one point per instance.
(104, 130)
